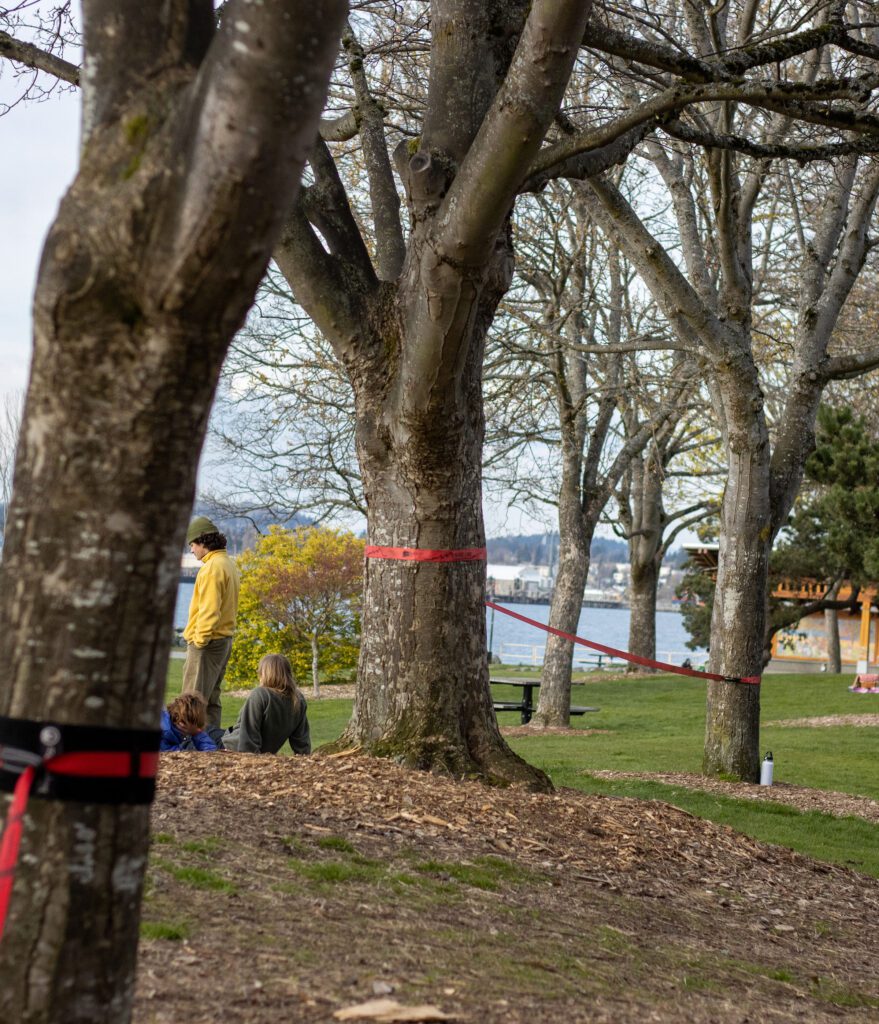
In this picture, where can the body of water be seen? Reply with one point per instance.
(181, 609)
(520, 644)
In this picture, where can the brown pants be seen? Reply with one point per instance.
(203, 673)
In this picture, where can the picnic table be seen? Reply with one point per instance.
(599, 660)
(525, 706)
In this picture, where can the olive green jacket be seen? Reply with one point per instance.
(266, 720)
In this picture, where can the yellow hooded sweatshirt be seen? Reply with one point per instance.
(214, 603)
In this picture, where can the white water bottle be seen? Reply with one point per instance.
(766, 770)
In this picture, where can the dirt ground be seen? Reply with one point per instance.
(290, 889)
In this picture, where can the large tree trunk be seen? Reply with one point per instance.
(86, 597)
(575, 540)
(642, 611)
(645, 542)
(141, 287)
(738, 623)
(423, 695)
(413, 351)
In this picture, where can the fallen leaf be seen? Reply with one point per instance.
(429, 819)
(389, 1011)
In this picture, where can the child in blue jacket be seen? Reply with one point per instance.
(183, 722)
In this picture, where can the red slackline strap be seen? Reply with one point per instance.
(634, 658)
(12, 839)
(426, 554)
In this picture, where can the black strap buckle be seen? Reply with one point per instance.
(27, 743)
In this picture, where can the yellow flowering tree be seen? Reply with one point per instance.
(300, 594)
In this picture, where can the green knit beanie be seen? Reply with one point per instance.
(199, 527)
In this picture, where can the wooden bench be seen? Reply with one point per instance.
(526, 710)
(509, 705)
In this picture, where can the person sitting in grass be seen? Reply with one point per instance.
(273, 712)
(183, 724)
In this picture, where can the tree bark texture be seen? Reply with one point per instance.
(554, 704)
(732, 724)
(576, 529)
(412, 349)
(645, 536)
(831, 628)
(149, 269)
(642, 611)
(423, 694)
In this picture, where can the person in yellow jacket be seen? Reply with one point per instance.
(212, 613)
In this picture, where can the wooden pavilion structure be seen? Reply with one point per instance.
(807, 640)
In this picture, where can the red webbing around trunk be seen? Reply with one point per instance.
(624, 655)
(99, 764)
(95, 764)
(426, 554)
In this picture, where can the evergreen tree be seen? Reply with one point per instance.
(834, 530)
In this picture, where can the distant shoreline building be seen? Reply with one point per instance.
(523, 584)
(806, 641)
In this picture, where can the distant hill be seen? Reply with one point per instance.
(535, 549)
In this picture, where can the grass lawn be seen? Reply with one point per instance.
(657, 725)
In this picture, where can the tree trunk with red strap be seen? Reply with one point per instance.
(642, 610)
(575, 539)
(409, 329)
(194, 138)
(423, 694)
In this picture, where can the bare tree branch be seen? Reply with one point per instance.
(40, 60)
(852, 365)
(385, 202)
(762, 150)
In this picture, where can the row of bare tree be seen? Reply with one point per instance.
(196, 125)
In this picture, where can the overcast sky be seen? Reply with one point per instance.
(39, 146)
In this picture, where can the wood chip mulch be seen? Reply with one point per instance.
(628, 910)
(827, 721)
(367, 795)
